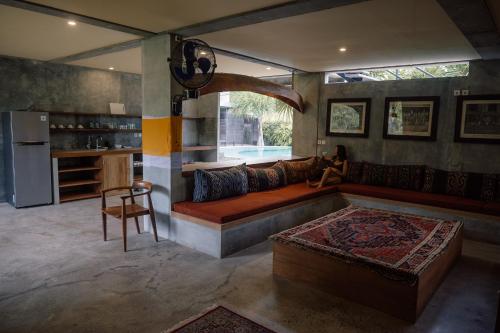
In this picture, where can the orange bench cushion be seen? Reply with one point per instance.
(230, 209)
(431, 199)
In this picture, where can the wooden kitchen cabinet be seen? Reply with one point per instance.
(82, 174)
(116, 170)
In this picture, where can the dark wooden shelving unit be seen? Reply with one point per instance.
(78, 196)
(62, 113)
(94, 130)
(79, 178)
(78, 182)
(79, 169)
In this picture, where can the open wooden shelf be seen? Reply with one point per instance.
(94, 130)
(80, 182)
(78, 196)
(198, 148)
(78, 169)
(61, 113)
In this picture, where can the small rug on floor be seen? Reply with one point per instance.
(219, 320)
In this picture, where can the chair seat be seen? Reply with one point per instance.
(132, 211)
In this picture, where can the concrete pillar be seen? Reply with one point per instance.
(161, 132)
(305, 125)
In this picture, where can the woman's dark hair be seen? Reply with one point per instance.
(341, 153)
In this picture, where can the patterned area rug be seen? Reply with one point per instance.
(219, 320)
(400, 245)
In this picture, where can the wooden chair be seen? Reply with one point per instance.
(125, 211)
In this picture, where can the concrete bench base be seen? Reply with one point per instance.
(221, 240)
(480, 227)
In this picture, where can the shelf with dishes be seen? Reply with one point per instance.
(91, 114)
(94, 130)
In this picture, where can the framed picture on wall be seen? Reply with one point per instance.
(348, 117)
(411, 118)
(478, 119)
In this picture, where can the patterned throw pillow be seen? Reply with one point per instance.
(474, 185)
(266, 178)
(456, 183)
(391, 176)
(354, 172)
(318, 169)
(215, 185)
(299, 171)
(497, 195)
(434, 181)
(373, 174)
(411, 177)
(489, 187)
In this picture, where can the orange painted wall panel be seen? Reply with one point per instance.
(161, 136)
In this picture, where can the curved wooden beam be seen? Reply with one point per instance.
(235, 82)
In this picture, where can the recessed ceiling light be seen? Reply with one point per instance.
(343, 49)
(111, 68)
(72, 23)
(268, 68)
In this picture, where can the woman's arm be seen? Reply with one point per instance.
(342, 173)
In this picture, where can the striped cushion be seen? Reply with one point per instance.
(266, 178)
(215, 185)
(299, 171)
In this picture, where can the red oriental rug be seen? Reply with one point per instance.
(219, 320)
(397, 245)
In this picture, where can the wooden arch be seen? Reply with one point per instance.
(235, 82)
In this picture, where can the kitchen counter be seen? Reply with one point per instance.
(93, 152)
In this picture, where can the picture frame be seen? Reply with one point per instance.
(478, 119)
(348, 117)
(411, 118)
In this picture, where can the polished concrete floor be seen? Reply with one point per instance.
(57, 275)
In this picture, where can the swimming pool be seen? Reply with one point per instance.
(251, 152)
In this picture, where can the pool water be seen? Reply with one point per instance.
(247, 152)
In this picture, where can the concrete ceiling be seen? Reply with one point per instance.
(494, 7)
(158, 15)
(130, 61)
(36, 36)
(376, 33)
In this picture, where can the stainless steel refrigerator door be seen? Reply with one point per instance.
(32, 175)
(30, 126)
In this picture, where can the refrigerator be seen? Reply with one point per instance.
(27, 158)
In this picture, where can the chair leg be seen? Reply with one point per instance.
(124, 231)
(153, 222)
(137, 225)
(104, 227)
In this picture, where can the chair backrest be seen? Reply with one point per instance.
(143, 185)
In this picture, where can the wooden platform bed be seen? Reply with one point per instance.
(390, 261)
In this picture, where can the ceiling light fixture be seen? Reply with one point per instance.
(343, 49)
(268, 68)
(72, 23)
(111, 68)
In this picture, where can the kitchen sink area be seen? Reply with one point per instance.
(93, 151)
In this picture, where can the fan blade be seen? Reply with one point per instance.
(184, 75)
(204, 64)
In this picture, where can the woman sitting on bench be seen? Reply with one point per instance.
(336, 170)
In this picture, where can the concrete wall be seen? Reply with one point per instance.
(57, 87)
(484, 78)
(202, 131)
